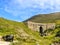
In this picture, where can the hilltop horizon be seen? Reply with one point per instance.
(20, 10)
(32, 16)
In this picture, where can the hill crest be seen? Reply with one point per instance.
(45, 18)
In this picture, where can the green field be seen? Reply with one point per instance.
(24, 36)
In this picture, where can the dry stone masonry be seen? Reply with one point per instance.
(36, 26)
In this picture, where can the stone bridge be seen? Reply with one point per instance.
(36, 26)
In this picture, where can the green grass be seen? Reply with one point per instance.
(33, 38)
(45, 18)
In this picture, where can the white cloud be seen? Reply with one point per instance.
(18, 7)
(43, 4)
(13, 12)
(27, 8)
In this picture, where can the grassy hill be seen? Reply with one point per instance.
(45, 18)
(21, 32)
(24, 36)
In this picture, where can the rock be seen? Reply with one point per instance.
(56, 43)
(8, 37)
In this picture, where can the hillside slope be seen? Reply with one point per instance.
(24, 36)
(45, 18)
(21, 32)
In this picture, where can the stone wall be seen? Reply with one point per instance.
(35, 26)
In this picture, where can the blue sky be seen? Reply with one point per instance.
(20, 10)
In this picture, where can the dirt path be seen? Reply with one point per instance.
(4, 43)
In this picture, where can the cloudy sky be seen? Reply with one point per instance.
(20, 10)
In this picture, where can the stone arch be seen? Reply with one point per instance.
(41, 30)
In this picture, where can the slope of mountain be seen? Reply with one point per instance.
(24, 36)
(45, 18)
(22, 33)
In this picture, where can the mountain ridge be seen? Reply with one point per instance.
(45, 18)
